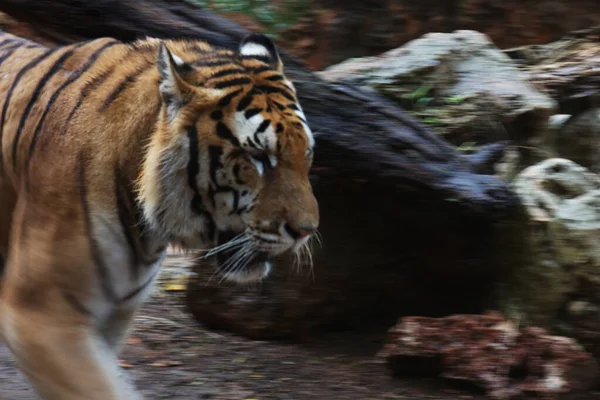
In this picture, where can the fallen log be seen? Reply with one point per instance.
(360, 135)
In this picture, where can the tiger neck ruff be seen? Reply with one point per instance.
(111, 151)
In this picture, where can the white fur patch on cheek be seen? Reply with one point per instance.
(254, 49)
(245, 130)
(309, 134)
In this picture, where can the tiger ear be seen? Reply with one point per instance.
(173, 86)
(259, 46)
(174, 91)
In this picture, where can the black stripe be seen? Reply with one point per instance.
(252, 112)
(14, 84)
(131, 224)
(141, 288)
(7, 41)
(227, 72)
(258, 70)
(216, 115)
(193, 169)
(280, 106)
(76, 75)
(236, 201)
(198, 205)
(272, 89)
(85, 91)
(261, 128)
(251, 143)
(274, 78)
(122, 86)
(293, 106)
(246, 100)
(124, 213)
(232, 82)
(212, 63)
(224, 102)
(36, 93)
(214, 155)
(236, 175)
(225, 133)
(77, 305)
(101, 269)
(279, 128)
(9, 51)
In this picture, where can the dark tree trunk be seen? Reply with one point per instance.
(360, 135)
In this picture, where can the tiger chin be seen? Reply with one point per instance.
(113, 151)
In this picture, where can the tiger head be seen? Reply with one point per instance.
(227, 168)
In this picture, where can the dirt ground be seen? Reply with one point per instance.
(171, 356)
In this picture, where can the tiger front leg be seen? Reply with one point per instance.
(46, 315)
(117, 329)
(63, 360)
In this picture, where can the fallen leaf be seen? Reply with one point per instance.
(175, 287)
(165, 363)
(124, 364)
(134, 340)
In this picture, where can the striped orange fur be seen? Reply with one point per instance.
(111, 151)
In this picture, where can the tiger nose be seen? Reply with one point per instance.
(299, 232)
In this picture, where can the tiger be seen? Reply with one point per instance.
(112, 152)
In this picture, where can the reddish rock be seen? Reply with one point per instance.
(553, 364)
(489, 351)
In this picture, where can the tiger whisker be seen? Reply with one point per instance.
(306, 254)
(318, 237)
(241, 238)
(309, 252)
(241, 261)
(220, 268)
(233, 260)
(237, 239)
(297, 261)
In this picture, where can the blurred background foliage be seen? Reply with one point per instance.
(274, 16)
